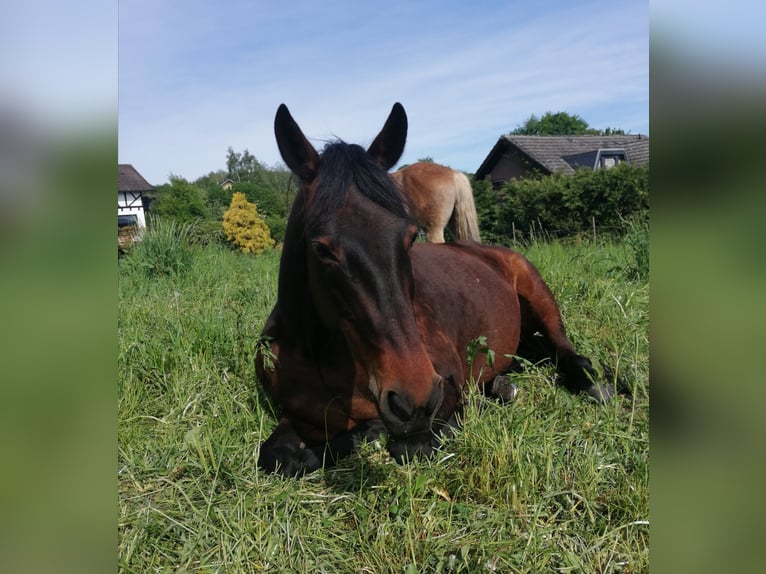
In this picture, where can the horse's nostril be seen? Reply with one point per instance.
(400, 405)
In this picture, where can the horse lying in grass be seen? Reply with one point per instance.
(439, 197)
(370, 331)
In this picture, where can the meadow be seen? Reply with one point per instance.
(549, 483)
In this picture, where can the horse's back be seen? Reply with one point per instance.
(468, 256)
(425, 184)
(425, 171)
(464, 290)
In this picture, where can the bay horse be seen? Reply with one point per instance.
(370, 331)
(439, 197)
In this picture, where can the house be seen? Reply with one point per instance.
(131, 199)
(515, 156)
(227, 183)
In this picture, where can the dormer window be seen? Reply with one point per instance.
(609, 157)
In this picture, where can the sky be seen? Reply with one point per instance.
(197, 77)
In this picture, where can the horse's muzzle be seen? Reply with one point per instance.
(409, 424)
(404, 449)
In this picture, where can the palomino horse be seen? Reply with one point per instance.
(439, 197)
(370, 330)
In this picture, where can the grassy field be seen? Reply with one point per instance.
(550, 483)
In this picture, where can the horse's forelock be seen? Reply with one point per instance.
(344, 166)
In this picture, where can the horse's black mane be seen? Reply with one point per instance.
(346, 165)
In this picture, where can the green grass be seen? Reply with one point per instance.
(550, 483)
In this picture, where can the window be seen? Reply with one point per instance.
(126, 220)
(610, 157)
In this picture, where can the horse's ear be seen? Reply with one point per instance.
(299, 155)
(388, 146)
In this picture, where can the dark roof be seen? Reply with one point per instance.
(565, 153)
(130, 180)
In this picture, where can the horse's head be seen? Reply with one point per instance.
(357, 238)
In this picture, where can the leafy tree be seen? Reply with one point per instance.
(244, 227)
(611, 132)
(218, 199)
(180, 201)
(212, 181)
(560, 123)
(242, 166)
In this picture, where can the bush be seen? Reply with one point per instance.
(565, 205)
(207, 232)
(271, 194)
(487, 204)
(244, 227)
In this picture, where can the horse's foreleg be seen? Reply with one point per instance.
(435, 234)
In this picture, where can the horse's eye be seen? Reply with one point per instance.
(323, 252)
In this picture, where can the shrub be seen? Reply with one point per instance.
(565, 205)
(487, 204)
(207, 231)
(244, 227)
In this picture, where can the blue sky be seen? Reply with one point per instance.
(196, 77)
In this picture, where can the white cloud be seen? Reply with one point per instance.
(463, 81)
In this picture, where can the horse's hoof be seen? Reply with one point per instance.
(289, 460)
(602, 393)
(504, 389)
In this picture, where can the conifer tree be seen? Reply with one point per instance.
(244, 227)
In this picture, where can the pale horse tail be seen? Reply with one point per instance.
(466, 219)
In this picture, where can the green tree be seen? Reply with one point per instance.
(180, 201)
(244, 227)
(212, 180)
(242, 166)
(560, 124)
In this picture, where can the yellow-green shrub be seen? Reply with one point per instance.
(244, 227)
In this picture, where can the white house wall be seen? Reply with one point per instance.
(129, 203)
